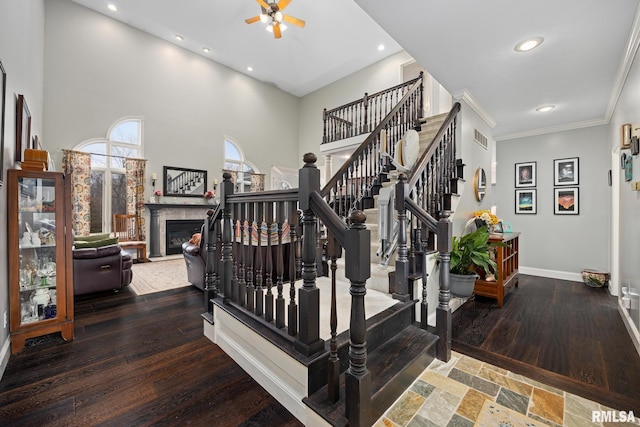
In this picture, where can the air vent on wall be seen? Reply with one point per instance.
(480, 138)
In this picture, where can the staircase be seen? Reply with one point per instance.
(352, 377)
(398, 349)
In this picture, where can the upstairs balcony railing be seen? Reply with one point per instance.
(356, 178)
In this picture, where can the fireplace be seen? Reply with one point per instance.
(180, 231)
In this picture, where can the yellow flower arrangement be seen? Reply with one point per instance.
(486, 216)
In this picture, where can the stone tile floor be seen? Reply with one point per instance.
(466, 392)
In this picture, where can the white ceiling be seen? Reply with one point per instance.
(467, 45)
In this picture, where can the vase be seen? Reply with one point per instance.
(461, 285)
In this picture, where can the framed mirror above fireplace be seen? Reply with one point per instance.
(184, 182)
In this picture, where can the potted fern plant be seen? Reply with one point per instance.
(469, 254)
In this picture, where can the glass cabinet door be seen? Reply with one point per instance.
(38, 256)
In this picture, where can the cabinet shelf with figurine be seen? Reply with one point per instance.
(39, 245)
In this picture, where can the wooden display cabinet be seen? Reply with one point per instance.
(40, 260)
(507, 263)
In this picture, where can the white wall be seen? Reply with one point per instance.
(628, 111)
(98, 70)
(559, 245)
(21, 46)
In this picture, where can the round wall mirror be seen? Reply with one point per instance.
(480, 184)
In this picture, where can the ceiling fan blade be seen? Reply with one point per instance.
(293, 20)
(276, 31)
(283, 3)
(252, 20)
(263, 4)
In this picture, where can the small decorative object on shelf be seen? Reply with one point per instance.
(39, 247)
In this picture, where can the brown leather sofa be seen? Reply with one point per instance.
(101, 269)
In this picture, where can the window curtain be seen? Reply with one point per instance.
(76, 166)
(135, 172)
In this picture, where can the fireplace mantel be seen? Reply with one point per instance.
(161, 212)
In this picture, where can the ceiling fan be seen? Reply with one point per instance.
(274, 18)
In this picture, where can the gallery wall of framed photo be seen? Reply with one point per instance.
(566, 194)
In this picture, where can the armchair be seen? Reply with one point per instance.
(100, 268)
(194, 254)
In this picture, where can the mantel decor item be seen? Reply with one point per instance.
(565, 171)
(23, 128)
(3, 95)
(526, 174)
(184, 182)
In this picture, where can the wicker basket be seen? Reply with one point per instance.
(595, 279)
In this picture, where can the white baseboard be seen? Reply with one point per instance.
(631, 327)
(281, 375)
(552, 274)
(5, 353)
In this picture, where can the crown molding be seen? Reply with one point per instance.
(465, 95)
(625, 65)
(550, 129)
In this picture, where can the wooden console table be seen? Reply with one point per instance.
(507, 262)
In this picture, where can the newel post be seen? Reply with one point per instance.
(358, 270)
(402, 261)
(209, 237)
(443, 312)
(226, 270)
(309, 341)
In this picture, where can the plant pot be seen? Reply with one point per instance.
(461, 285)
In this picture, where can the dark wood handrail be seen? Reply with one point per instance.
(337, 228)
(422, 215)
(369, 140)
(428, 154)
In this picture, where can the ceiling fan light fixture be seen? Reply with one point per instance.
(263, 18)
(269, 28)
(278, 16)
(283, 27)
(529, 44)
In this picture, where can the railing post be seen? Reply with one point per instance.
(443, 312)
(365, 101)
(402, 261)
(209, 279)
(358, 270)
(324, 126)
(226, 270)
(309, 341)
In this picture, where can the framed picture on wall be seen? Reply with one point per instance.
(526, 202)
(567, 201)
(565, 171)
(23, 128)
(526, 174)
(3, 96)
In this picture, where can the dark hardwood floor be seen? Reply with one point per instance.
(558, 332)
(135, 361)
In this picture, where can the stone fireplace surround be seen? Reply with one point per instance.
(160, 213)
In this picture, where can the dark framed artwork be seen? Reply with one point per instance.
(526, 202)
(526, 174)
(3, 96)
(566, 200)
(23, 128)
(184, 182)
(566, 171)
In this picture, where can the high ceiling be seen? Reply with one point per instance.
(467, 45)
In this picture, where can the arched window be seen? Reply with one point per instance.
(108, 181)
(234, 160)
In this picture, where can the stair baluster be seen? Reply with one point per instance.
(280, 320)
(258, 261)
(333, 364)
(292, 318)
(268, 304)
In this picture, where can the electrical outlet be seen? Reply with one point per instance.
(5, 319)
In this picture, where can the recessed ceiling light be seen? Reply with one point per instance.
(545, 108)
(179, 37)
(529, 44)
(381, 47)
(249, 69)
(112, 7)
(206, 49)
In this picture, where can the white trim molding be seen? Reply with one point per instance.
(465, 95)
(5, 353)
(631, 327)
(552, 274)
